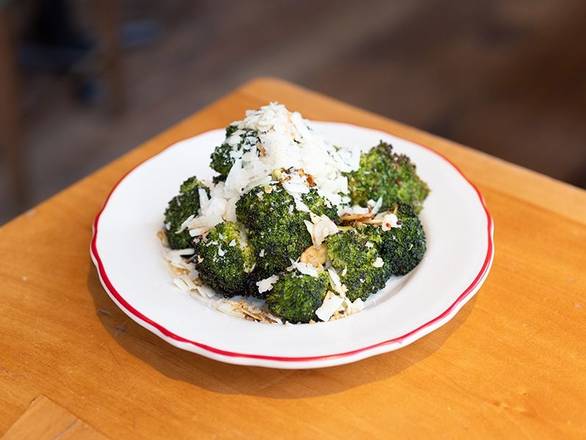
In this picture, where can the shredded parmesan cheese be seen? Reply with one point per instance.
(285, 141)
(320, 227)
(304, 268)
(335, 282)
(390, 221)
(267, 284)
(378, 262)
(331, 305)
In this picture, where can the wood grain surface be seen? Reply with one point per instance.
(45, 420)
(511, 364)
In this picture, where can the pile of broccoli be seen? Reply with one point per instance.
(271, 233)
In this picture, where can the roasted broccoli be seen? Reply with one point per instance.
(224, 259)
(238, 141)
(295, 297)
(273, 236)
(403, 248)
(385, 174)
(354, 253)
(276, 228)
(183, 205)
(319, 205)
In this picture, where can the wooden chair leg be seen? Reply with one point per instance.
(11, 135)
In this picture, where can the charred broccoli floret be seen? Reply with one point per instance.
(320, 205)
(355, 255)
(403, 248)
(276, 228)
(295, 297)
(238, 141)
(224, 259)
(180, 207)
(385, 174)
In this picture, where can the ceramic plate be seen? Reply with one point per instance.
(129, 260)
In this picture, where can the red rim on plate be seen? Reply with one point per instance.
(218, 351)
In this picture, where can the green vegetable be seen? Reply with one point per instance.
(355, 255)
(403, 248)
(222, 159)
(276, 228)
(295, 297)
(180, 207)
(385, 174)
(319, 205)
(224, 260)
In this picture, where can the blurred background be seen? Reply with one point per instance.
(83, 81)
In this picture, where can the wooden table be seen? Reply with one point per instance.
(511, 364)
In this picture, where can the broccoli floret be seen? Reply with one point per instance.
(180, 207)
(276, 228)
(221, 160)
(385, 174)
(403, 248)
(223, 155)
(295, 297)
(191, 184)
(263, 204)
(319, 205)
(224, 260)
(355, 255)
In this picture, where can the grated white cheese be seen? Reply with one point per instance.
(184, 283)
(299, 205)
(304, 268)
(205, 291)
(354, 307)
(176, 260)
(184, 225)
(320, 227)
(378, 262)
(332, 303)
(353, 210)
(375, 206)
(235, 139)
(296, 185)
(210, 214)
(267, 284)
(390, 221)
(335, 282)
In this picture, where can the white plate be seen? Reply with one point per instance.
(127, 253)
